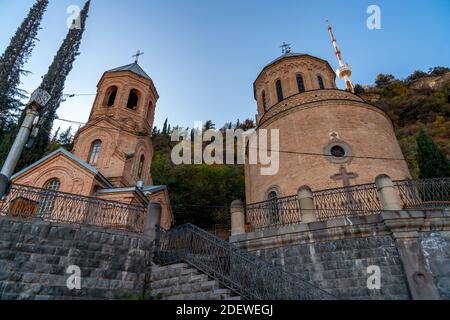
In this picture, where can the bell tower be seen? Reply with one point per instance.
(117, 138)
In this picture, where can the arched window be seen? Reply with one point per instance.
(264, 101)
(141, 167)
(53, 185)
(273, 208)
(48, 197)
(95, 152)
(133, 99)
(300, 83)
(272, 196)
(320, 80)
(279, 91)
(110, 97)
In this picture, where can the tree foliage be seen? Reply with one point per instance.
(53, 82)
(12, 62)
(432, 162)
(200, 194)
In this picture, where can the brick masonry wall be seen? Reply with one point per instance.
(34, 257)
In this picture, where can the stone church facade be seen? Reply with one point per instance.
(333, 137)
(112, 153)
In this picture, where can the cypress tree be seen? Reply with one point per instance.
(53, 82)
(12, 61)
(432, 162)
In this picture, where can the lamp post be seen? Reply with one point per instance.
(38, 100)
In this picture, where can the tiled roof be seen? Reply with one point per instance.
(133, 67)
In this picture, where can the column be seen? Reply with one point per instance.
(387, 193)
(306, 200)
(237, 218)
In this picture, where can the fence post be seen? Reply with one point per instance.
(237, 218)
(306, 200)
(153, 220)
(387, 193)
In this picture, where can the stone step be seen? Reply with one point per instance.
(181, 282)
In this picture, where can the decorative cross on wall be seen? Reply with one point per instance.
(345, 176)
(137, 55)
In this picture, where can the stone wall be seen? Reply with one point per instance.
(181, 282)
(34, 257)
(335, 254)
(435, 247)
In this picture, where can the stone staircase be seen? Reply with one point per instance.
(181, 282)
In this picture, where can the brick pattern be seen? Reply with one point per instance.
(34, 258)
(308, 129)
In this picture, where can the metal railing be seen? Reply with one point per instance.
(243, 273)
(426, 193)
(357, 200)
(349, 201)
(28, 203)
(276, 212)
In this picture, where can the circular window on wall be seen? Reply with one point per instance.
(338, 151)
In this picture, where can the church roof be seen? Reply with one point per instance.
(69, 155)
(133, 67)
(289, 55)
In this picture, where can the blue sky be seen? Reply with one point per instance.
(204, 55)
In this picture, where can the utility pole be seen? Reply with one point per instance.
(38, 100)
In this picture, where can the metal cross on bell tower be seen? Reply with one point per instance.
(137, 55)
(285, 48)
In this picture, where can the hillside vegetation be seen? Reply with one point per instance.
(422, 100)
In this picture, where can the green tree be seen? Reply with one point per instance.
(432, 162)
(53, 82)
(66, 137)
(12, 61)
(384, 80)
(164, 129)
(359, 89)
(439, 71)
(416, 75)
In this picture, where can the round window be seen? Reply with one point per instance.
(337, 151)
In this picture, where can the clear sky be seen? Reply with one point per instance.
(204, 55)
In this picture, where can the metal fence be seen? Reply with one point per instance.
(275, 212)
(243, 273)
(341, 202)
(349, 201)
(427, 193)
(28, 203)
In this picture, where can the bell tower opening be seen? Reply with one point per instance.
(133, 99)
(110, 97)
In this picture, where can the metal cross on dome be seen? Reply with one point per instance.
(285, 48)
(137, 55)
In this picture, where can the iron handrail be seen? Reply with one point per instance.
(349, 201)
(27, 203)
(245, 274)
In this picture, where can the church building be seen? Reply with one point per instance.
(112, 153)
(328, 138)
